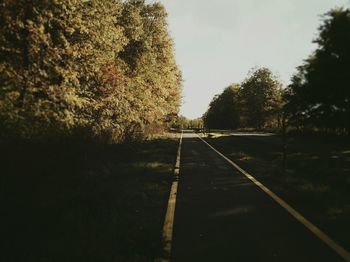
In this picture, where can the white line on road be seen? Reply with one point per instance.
(169, 217)
(315, 230)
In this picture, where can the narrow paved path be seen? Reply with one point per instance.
(222, 216)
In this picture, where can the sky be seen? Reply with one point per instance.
(217, 42)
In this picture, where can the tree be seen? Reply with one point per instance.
(155, 78)
(260, 99)
(319, 95)
(51, 56)
(196, 123)
(104, 70)
(223, 112)
(181, 122)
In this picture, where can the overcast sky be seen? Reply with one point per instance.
(218, 41)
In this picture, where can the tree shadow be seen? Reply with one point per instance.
(84, 201)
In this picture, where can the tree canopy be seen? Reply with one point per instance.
(319, 95)
(260, 99)
(255, 103)
(223, 110)
(99, 69)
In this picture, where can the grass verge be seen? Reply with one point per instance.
(84, 202)
(316, 181)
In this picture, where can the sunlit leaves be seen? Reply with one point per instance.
(223, 112)
(260, 99)
(105, 67)
(255, 103)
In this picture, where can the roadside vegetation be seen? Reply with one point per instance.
(100, 70)
(83, 86)
(85, 202)
(255, 103)
(306, 158)
(183, 122)
(317, 100)
(316, 180)
(319, 95)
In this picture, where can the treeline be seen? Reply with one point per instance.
(318, 98)
(319, 95)
(183, 122)
(95, 69)
(256, 103)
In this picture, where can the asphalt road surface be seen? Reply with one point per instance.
(222, 216)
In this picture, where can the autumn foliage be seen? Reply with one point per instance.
(94, 69)
(255, 103)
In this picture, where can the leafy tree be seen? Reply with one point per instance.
(196, 123)
(319, 95)
(260, 99)
(155, 77)
(223, 112)
(181, 122)
(102, 69)
(51, 56)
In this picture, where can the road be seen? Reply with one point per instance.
(222, 216)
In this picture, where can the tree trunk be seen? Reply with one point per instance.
(284, 144)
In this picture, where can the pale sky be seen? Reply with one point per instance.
(218, 41)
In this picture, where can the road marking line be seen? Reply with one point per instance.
(169, 217)
(314, 229)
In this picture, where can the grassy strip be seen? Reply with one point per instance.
(317, 181)
(85, 202)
